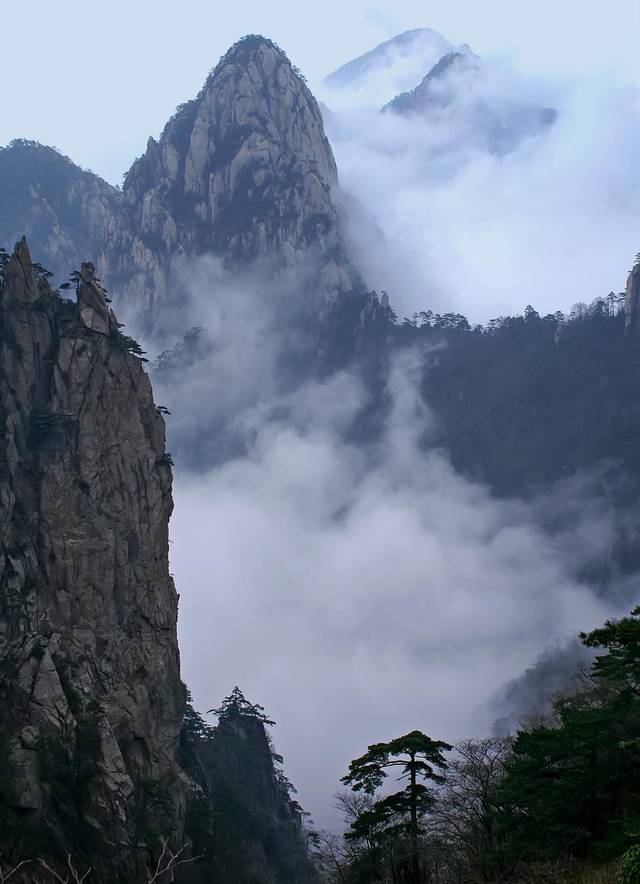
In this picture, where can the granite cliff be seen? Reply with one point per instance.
(91, 701)
(243, 172)
(103, 760)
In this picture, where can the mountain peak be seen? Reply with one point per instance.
(400, 62)
(244, 49)
(243, 171)
(257, 51)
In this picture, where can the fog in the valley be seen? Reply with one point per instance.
(443, 221)
(361, 590)
(355, 592)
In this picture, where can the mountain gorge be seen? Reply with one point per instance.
(376, 511)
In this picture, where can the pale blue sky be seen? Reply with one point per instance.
(96, 79)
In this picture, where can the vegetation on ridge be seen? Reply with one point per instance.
(557, 799)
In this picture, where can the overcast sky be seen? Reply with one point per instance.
(96, 79)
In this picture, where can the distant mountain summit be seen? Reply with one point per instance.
(434, 88)
(394, 66)
(415, 42)
(476, 102)
(243, 172)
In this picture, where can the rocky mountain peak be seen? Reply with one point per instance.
(244, 171)
(395, 65)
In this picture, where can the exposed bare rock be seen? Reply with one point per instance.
(632, 295)
(91, 700)
(63, 210)
(244, 171)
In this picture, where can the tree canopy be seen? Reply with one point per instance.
(237, 706)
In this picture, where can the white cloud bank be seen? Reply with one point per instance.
(356, 592)
(553, 222)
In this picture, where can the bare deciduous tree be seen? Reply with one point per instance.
(465, 813)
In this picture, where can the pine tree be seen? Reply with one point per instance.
(420, 758)
(237, 706)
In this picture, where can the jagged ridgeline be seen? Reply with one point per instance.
(95, 764)
(244, 172)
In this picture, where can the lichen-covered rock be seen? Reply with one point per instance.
(91, 700)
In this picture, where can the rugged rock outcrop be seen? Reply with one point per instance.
(245, 172)
(64, 211)
(91, 701)
(259, 833)
(632, 295)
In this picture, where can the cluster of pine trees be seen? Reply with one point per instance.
(243, 823)
(558, 801)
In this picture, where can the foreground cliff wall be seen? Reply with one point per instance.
(91, 701)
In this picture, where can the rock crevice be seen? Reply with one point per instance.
(91, 701)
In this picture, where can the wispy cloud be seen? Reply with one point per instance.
(355, 591)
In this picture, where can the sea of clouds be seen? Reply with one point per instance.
(356, 591)
(359, 591)
(443, 223)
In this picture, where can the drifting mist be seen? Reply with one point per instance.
(355, 591)
(442, 222)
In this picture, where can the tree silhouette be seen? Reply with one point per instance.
(237, 706)
(420, 758)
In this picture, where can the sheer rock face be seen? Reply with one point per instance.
(244, 171)
(632, 296)
(91, 700)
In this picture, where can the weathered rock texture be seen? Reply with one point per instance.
(91, 701)
(244, 171)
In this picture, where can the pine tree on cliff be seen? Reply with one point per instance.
(237, 706)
